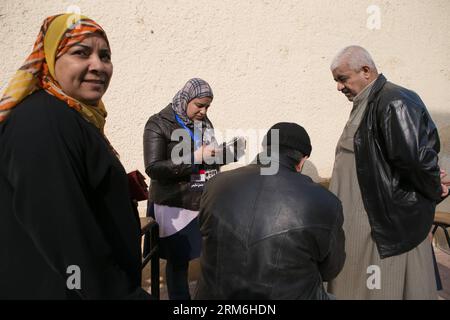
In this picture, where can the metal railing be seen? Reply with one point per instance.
(150, 232)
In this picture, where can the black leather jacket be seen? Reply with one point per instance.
(268, 236)
(396, 152)
(170, 183)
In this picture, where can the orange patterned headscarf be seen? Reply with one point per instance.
(58, 33)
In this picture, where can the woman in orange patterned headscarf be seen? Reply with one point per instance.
(57, 36)
(67, 227)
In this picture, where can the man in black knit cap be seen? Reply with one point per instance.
(270, 236)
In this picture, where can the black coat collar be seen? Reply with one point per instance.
(377, 86)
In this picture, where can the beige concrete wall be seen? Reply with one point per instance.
(267, 61)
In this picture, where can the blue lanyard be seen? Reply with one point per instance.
(196, 139)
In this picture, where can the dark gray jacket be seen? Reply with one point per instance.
(268, 237)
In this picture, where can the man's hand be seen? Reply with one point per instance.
(445, 183)
(445, 180)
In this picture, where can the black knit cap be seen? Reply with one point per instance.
(291, 135)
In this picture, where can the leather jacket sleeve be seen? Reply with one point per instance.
(412, 144)
(157, 164)
(334, 261)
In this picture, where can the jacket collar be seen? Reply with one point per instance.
(377, 86)
(284, 161)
